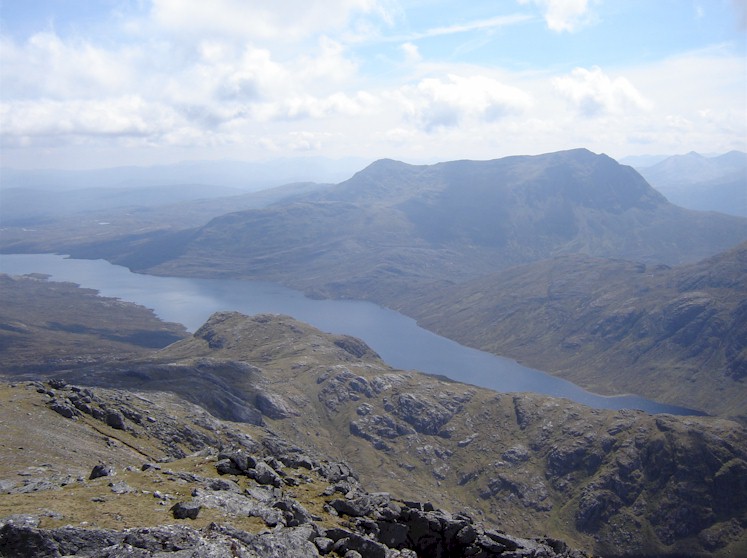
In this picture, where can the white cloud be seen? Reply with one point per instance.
(328, 64)
(309, 107)
(304, 141)
(489, 23)
(247, 20)
(563, 15)
(122, 116)
(244, 78)
(63, 89)
(223, 74)
(594, 93)
(46, 66)
(411, 53)
(446, 102)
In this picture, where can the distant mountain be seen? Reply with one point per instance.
(672, 334)
(243, 175)
(393, 229)
(637, 161)
(176, 206)
(703, 183)
(31, 207)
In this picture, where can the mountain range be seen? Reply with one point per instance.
(429, 240)
(703, 183)
(394, 229)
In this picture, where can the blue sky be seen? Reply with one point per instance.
(87, 83)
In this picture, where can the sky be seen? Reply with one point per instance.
(101, 83)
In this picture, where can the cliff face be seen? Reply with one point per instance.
(617, 483)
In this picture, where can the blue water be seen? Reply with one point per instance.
(397, 338)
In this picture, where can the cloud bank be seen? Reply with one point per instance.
(236, 78)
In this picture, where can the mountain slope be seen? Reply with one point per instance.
(619, 483)
(394, 228)
(216, 489)
(672, 334)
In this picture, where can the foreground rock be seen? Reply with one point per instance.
(20, 541)
(302, 505)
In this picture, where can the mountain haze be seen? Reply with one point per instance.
(703, 183)
(243, 175)
(394, 228)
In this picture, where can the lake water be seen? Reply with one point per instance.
(397, 338)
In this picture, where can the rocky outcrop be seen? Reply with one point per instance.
(428, 414)
(101, 470)
(378, 526)
(262, 481)
(118, 412)
(431, 534)
(355, 347)
(186, 510)
(371, 525)
(215, 540)
(274, 406)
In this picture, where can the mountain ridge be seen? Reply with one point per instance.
(703, 183)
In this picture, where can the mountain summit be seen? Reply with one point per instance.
(395, 228)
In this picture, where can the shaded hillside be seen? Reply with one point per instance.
(394, 228)
(619, 483)
(703, 183)
(46, 325)
(677, 335)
